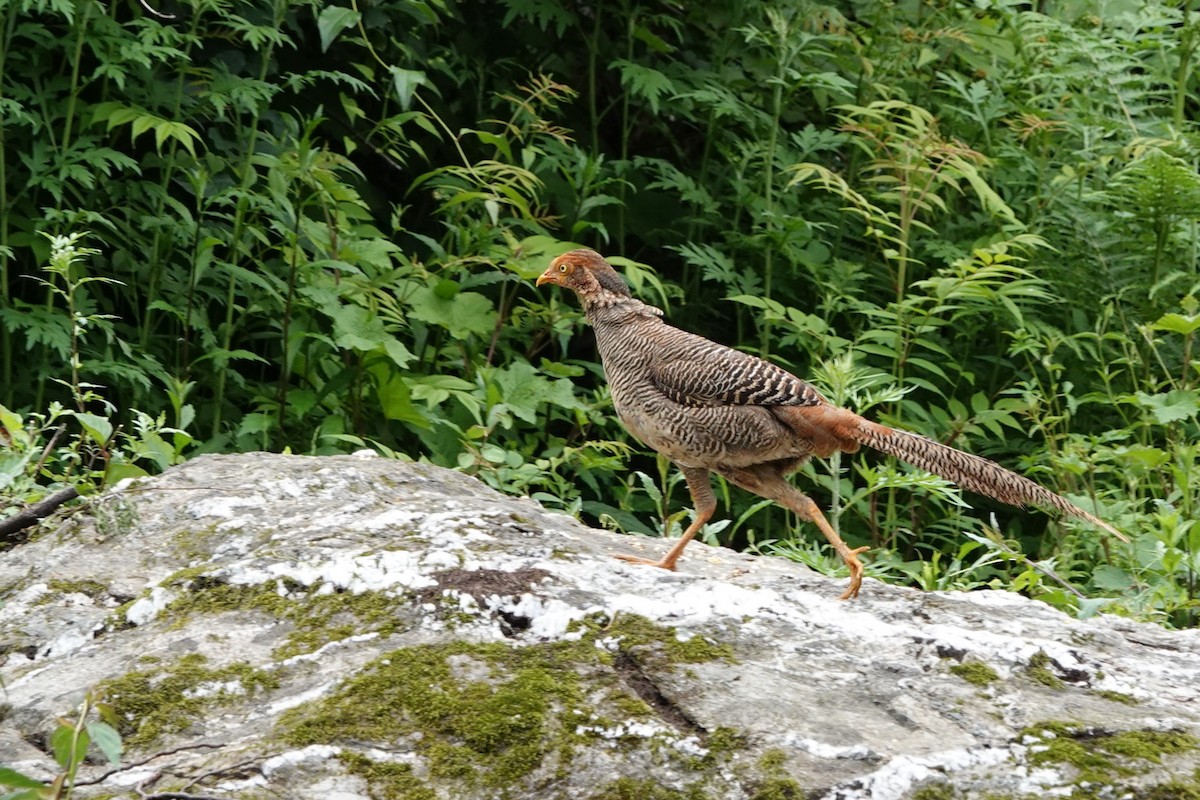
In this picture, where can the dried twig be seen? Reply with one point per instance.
(31, 515)
(105, 775)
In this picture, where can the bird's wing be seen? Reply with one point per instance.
(721, 376)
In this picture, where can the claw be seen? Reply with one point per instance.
(661, 564)
(856, 572)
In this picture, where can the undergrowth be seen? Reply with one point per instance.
(978, 222)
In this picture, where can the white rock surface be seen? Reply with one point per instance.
(846, 699)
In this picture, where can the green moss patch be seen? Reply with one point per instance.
(633, 789)
(490, 714)
(318, 617)
(935, 791)
(91, 588)
(1118, 697)
(1039, 670)
(387, 780)
(152, 702)
(1099, 755)
(490, 732)
(775, 783)
(639, 632)
(1173, 790)
(975, 672)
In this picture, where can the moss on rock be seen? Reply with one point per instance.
(489, 732)
(1100, 756)
(490, 714)
(936, 791)
(1118, 697)
(1039, 670)
(634, 789)
(775, 783)
(91, 588)
(318, 616)
(152, 702)
(387, 780)
(975, 672)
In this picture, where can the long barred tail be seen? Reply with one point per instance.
(968, 471)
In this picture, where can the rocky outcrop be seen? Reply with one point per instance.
(283, 626)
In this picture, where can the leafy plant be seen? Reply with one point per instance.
(975, 221)
(94, 726)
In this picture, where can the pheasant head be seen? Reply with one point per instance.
(586, 273)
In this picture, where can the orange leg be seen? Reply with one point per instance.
(767, 481)
(805, 508)
(705, 504)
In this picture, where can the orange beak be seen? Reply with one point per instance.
(550, 275)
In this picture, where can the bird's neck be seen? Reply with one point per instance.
(609, 308)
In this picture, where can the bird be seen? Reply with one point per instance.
(711, 408)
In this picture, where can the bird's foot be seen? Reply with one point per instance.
(661, 563)
(850, 557)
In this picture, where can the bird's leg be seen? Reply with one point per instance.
(767, 481)
(805, 508)
(705, 504)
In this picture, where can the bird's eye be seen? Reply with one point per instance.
(562, 268)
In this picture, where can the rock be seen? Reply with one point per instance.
(351, 627)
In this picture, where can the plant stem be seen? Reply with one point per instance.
(626, 130)
(82, 13)
(249, 173)
(6, 342)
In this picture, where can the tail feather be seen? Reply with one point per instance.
(968, 471)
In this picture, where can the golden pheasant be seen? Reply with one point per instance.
(710, 408)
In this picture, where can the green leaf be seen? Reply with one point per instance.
(1173, 406)
(119, 472)
(1146, 456)
(27, 794)
(356, 328)
(523, 391)
(436, 389)
(395, 400)
(1178, 323)
(644, 82)
(69, 749)
(97, 427)
(107, 739)
(332, 21)
(255, 423)
(406, 82)
(1090, 606)
(221, 357)
(17, 780)
(463, 314)
(184, 134)
(1111, 579)
(493, 453)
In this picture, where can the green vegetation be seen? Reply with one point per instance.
(936, 791)
(1118, 697)
(387, 780)
(976, 221)
(775, 784)
(1039, 670)
(318, 617)
(70, 743)
(975, 672)
(663, 642)
(633, 789)
(58, 587)
(483, 714)
(149, 703)
(1100, 756)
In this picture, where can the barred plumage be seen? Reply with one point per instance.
(710, 408)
